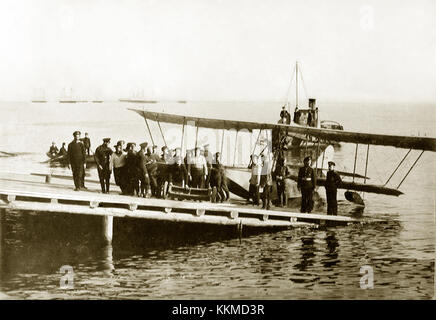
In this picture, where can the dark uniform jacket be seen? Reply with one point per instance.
(152, 163)
(142, 163)
(333, 180)
(217, 174)
(63, 151)
(53, 149)
(177, 173)
(102, 156)
(86, 142)
(280, 173)
(76, 153)
(306, 178)
(131, 164)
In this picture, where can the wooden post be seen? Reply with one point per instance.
(108, 231)
(239, 229)
(108, 262)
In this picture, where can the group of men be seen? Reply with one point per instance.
(306, 183)
(55, 152)
(145, 173)
(262, 178)
(285, 117)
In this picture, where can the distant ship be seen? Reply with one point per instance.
(67, 96)
(138, 97)
(39, 96)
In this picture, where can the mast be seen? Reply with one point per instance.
(296, 82)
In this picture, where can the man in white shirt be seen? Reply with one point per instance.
(117, 162)
(197, 170)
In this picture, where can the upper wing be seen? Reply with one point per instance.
(407, 142)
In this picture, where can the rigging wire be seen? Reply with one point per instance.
(288, 93)
(304, 84)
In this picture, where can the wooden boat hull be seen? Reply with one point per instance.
(63, 160)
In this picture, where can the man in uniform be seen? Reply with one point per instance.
(143, 177)
(63, 151)
(77, 160)
(297, 114)
(217, 176)
(333, 180)
(87, 143)
(306, 183)
(132, 183)
(53, 149)
(102, 158)
(285, 116)
(280, 174)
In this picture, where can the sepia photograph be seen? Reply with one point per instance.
(217, 150)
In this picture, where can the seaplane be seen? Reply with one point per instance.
(238, 173)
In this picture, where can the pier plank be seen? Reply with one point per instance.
(19, 193)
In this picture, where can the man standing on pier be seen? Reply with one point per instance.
(77, 160)
(306, 183)
(102, 158)
(118, 162)
(197, 169)
(87, 142)
(332, 182)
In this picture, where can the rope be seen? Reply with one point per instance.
(288, 94)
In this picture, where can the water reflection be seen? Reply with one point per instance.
(307, 253)
(164, 262)
(331, 255)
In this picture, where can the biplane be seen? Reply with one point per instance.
(238, 175)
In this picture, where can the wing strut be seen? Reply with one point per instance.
(163, 137)
(196, 137)
(316, 165)
(366, 164)
(411, 168)
(355, 159)
(398, 166)
(222, 141)
(236, 144)
(149, 131)
(254, 148)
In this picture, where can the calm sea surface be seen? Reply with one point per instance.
(155, 264)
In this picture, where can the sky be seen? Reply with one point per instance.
(348, 50)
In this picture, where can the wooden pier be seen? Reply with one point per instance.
(38, 193)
